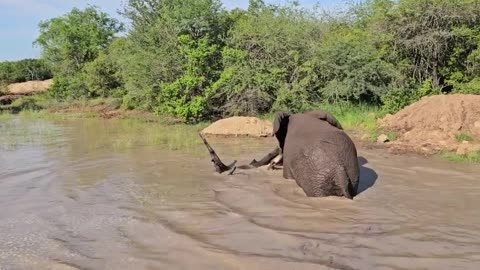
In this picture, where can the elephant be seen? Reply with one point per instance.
(313, 150)
(317, 153)
(273, 158)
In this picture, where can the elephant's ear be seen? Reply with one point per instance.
(280, 126)
(280, 121)
(326, 116)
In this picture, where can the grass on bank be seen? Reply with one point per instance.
(148, 129)
(142, 129)
(352, 117)
(130, 133)
(472, 157)
(360, 119)
(461, 137)
(93, 132)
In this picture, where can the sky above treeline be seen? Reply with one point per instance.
(19, 19)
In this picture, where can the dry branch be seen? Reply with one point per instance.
(220, 167)
(273, 158)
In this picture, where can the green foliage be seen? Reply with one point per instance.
(460, 137)
(186, 97)
(72, 87)
(395, 99)
(103, 76)
(472, 157)
(175, 55)
(3, 87)
(351, 67)
(70, 41)
(268, 61)
(471, 87)
(434, 34)
(361, 117)
(427, 89)
(26, 103)
(195, 60)
(24, 70)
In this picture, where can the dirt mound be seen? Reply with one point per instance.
(434, 123)
(29, 87)
(240, 126)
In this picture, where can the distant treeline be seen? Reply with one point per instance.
(24, 70)
(195, 59)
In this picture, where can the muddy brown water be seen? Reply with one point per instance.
(69, 200)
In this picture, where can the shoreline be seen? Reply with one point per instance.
(362, 137)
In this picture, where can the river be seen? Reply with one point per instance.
(75, 194)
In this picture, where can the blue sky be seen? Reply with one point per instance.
(19, 19)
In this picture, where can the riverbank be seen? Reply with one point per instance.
(360, 122)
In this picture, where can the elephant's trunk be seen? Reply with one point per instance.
(268, 158)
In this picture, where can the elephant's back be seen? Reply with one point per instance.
(312, 131)
(310, 134)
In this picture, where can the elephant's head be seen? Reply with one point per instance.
(326, 116)
(280, 126)
(281, 119)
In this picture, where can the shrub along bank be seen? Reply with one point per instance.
(196, 60)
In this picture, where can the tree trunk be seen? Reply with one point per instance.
(435, 76)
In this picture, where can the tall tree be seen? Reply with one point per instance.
(433, 34)
(178, 44)
(70, 41)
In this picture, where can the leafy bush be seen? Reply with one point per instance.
(26, 103)
(194, 59)
(267, 61)
(24, 70)
(70, 41)
(351, 68)
(460, 137)
(471, 87)
(396, 99)
(103, 76)
(72, 87)
(427, 89)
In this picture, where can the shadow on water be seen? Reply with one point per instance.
(368, 177)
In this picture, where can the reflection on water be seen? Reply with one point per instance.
(71, 198)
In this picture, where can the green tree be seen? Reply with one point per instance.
(103, 75)
(351, 68)
(177, 44)
(267, 60)
(435, 35)
(71, 41)
(194, 59)
(24, 70)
